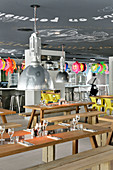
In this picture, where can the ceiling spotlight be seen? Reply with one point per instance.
(74, 58)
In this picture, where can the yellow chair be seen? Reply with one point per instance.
(57, 96)
(45, 97)
(97, 106)
(108, 105)
(52, 97)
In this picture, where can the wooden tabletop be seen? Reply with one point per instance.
(40, 142)
(6, 112)
(16, 133)
(103, 96)
(38, 107)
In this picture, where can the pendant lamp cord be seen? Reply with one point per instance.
(63, 57)
(35, 10)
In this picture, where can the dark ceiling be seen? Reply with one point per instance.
(85, 27)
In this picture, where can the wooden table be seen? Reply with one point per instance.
(4, 112)
(42, 109)
(6, 150)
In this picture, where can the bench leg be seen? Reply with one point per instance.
(95, 167)
(101, 141)
(67, 113)
(48, 153)
(92, 120)
(105, 166)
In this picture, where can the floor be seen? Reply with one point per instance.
(32, 158)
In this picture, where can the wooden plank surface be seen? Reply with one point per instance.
(16, 133)
(40, 142)
(10, 125)
(68, 117)
(38, 107)
(103, 96)
(82, 160)
(6, 112)
(49, 111)
(108, 118)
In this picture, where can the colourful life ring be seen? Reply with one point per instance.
(75, 67)
(6, 64)
(1, 64)
(106, 71)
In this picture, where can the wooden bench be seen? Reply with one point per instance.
(10, 125)
(107, 118)
(69, 117)
(98, 158)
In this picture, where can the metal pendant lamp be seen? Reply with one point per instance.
(35, 76)
(62, 76)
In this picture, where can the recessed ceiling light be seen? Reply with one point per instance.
(57, 33)
(92, 59)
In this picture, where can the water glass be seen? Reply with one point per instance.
(77, 118)
(2, 130)
(11, 132)
(45, 123)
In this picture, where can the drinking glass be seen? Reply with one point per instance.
(11, 132)
(77, 118)
(45, 123)
(72, 125)
(2, 130)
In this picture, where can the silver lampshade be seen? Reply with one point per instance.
(35, 76)
(62, 76)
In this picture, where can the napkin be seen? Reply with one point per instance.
(54, 137)
(25, 143)
(64, 124)
(89, 130)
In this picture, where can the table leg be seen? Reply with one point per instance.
(93, 142)
(35, 120)
(31, 119)
(4, 119)
(48, 153)
(41, 116)
(77, 109)
(109, 139)
(75, 147)
(86, 110)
